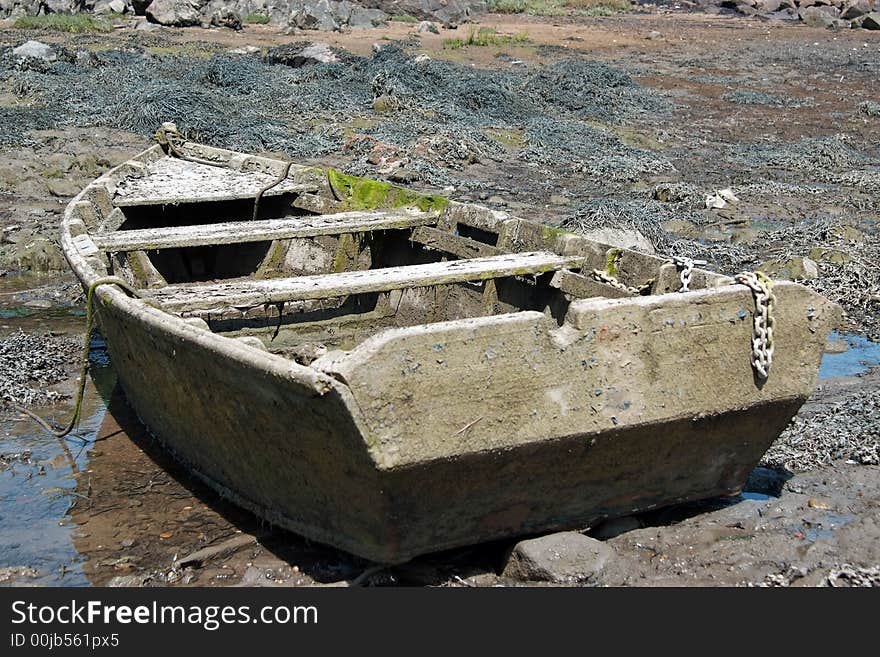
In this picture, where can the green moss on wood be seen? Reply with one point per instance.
(356, 193)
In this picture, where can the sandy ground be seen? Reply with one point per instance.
(134, 516)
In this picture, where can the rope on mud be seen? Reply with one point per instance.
(171, 141)
(87, 344)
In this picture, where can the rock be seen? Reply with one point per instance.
(564, 558)
(426, 27)
(314, 15)
(821, 254)
(35, 50)
(176, 13)
(615, 527)
(622, 238)
(244, 50)
(793, 269)
(145, 26)
(39, 255)
(818, 16)
(446, 12)
(653, 35)
(317, 52)
(384, 103)
(62, 187)
(870, 21)
(140, 6)
(361, 18)
(768, 6)
(225, 17)
(855, 8)
(112, 7)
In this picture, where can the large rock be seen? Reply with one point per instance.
(565, 557)
(315, 15)
(819, 16)
(226, 17)
(855, 8)
(624, 238)
(36, 50)
(870, 21)
(296, 56)
(177, 13)
(444, 11)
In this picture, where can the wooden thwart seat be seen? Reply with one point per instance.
(189, 297)
(236, 232)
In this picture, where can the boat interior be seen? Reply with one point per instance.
(306, 273)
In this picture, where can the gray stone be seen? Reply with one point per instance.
(225, 17)
(36, 50)
(855, 8)
(565, 557)
(443, 11)
(819, 16)
(426, 27)
(364, 18)
(621, 237)
(315, 53)
(145, 26)
(176, 13)
(314, 15)
(615, 527)
(871, 21)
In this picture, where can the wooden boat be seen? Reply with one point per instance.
(394, 373)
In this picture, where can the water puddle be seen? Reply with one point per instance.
(860, 355)
(40, 482)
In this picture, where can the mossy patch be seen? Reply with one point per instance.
(356, 193)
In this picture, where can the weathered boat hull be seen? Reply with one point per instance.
(435, 436)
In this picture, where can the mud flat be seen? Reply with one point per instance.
(587, 124)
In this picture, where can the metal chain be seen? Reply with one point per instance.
(608, 279)
(685, 267)
(762, 339)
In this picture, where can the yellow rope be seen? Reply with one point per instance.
(80, 393)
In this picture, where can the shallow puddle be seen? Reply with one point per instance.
(860, 355)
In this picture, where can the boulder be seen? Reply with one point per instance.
(819, 16)
(225, 17)
(622, 238)
(870, 21)
(298, 55)
(768, 6)
(854, 8)
(426, 27)
(443, 11)
(314, 15)
(361, 17)
(565, 557)
(112, 7)
(35, 50)
(176, 13)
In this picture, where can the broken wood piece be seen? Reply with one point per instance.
(198, 557)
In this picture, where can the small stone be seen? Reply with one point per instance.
(653, 35)
(244, 50)
(562, 557)
(835, 256)
(430, 27)
(815, 503)
(818, 16)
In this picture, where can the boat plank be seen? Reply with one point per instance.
(189, 297)
(236, 232)
(171, 181)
